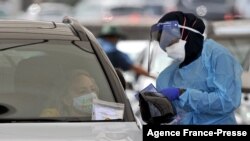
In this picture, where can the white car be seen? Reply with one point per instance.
(36, 60)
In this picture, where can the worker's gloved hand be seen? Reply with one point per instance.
(171, 93)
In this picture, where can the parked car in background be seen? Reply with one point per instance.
(210, 9)
(92, 12)
(9, 8)
(37, 63)
(120, 12)
(47, 11)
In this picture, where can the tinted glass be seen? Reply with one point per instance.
(50, 79)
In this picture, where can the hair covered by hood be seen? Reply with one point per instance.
(194, 41)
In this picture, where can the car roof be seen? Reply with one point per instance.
(21, 29)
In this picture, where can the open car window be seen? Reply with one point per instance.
(50, 80)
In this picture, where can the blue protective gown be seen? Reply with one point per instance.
(212, 83)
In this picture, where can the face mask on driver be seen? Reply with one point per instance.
(84, 102)
(176, 51)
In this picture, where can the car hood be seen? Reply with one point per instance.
(108, 131)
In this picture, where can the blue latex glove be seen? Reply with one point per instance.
(171, 93)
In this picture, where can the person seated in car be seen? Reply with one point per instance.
(81, 89)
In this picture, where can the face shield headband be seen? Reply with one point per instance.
(168, 33)
(164, 35)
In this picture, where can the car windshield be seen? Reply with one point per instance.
(51, 80)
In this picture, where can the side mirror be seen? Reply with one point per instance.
(121, 77)
(156, 109)
(6, 109)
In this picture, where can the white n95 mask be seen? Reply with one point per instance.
(176, 51)
(84, 102)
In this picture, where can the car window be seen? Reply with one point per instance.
(48, 79)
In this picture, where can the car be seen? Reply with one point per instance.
(91, 12)
(9, 8)
(210, 10)
(47, 11)
(119, 12)
(38, 59)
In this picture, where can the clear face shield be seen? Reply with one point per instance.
(163, 35)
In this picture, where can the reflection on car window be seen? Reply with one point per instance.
(37, 78)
